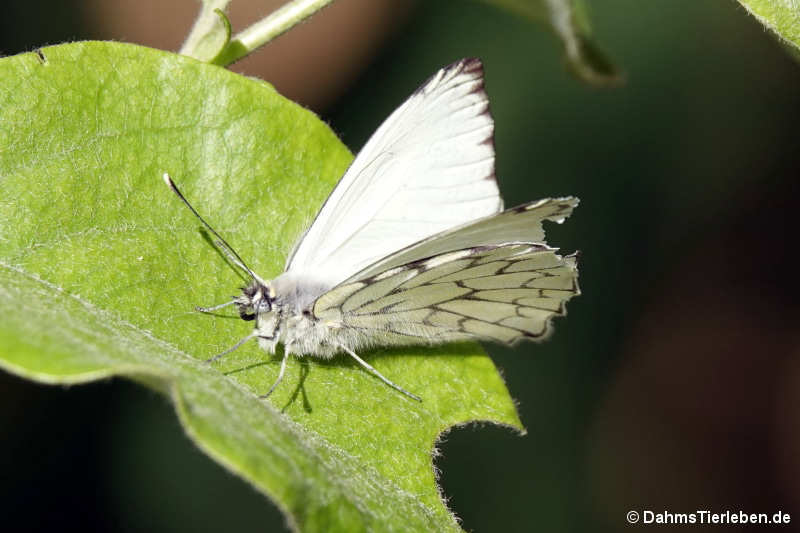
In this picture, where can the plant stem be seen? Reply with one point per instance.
(265, 30)
(206, 21)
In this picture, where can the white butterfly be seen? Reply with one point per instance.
(412, 246)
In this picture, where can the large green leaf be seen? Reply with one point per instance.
(100, 267)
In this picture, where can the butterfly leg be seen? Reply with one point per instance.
(280, 373)
(232, 348)
(378, 374)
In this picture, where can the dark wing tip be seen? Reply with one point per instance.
(473, 68)
(470, 64)
(467, 65)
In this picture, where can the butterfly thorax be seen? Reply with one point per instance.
(283, 313)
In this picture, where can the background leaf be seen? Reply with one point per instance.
(100, 267)
(568, 20)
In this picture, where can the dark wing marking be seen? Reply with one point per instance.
(501, 293)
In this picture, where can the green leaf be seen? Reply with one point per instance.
(568, 20)
(780, 16)
(100, 267)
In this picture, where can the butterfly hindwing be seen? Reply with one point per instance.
(501, 293)
(519, 224)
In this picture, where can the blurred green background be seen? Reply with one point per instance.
(672, 384)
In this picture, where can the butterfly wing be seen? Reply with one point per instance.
(428, 167)
(519, 224)
(501, 293)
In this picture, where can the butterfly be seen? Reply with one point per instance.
(413, 246)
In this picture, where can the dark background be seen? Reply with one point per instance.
(673, 383)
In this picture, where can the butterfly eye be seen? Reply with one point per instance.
(264, 306)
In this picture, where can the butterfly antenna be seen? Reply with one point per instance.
(220, 242)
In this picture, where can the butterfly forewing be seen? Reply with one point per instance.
(502, 292)
(428, 167)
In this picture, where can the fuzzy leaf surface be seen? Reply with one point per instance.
(780, 16)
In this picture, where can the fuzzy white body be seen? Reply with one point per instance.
(291, 321)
